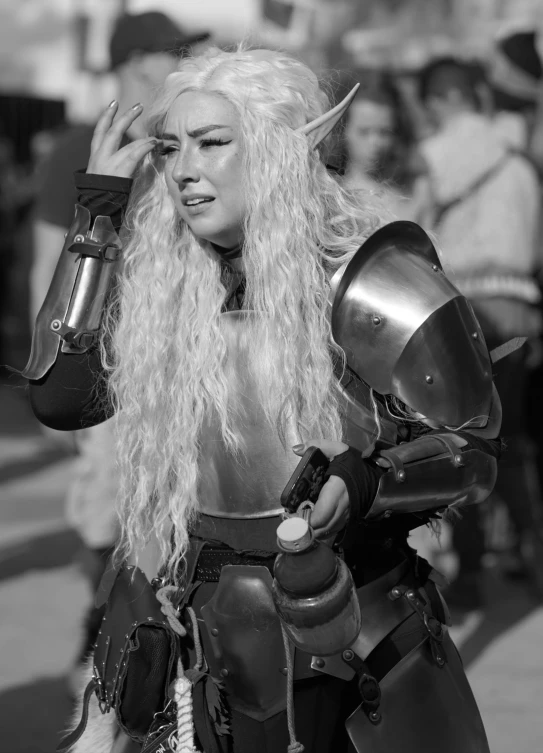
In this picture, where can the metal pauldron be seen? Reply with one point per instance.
(72, 310)
(407, 331)
(432, 473)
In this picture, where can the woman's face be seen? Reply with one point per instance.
(369, 133)
(202, 164)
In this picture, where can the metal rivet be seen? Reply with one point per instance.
(400, 476)
(429, 379)
(214, 631)
(348, 655)
(105, 618)
(99, 632)
(284, 671)
(410, 594)
(458, 459)
(376, 320)
(121, 650)
(475, 335)
(375, 716)
(387, 513)
(134, 624)
(79, 239)
(224, 672)
(56, 324)
(435, 267)
(127, 636)
(440, 661)
(319, 663)
(396, 593)
(149, 619)
(116, 666)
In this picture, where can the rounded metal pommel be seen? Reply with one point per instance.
(294, 535)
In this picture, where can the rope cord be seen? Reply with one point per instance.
(182, 686)
(294, 745)
(169, 610)
(197, 641)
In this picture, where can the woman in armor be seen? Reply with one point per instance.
(232, 325)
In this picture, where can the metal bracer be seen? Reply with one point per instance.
(432, 473)
(72, 310)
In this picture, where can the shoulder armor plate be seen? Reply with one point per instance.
(407, 331)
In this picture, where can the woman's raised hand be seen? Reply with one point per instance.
(106, 158)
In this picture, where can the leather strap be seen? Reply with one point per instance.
(505, 349)
(72, 737)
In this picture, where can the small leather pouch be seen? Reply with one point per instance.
(135, 655)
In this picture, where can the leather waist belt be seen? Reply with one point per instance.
(211, 561)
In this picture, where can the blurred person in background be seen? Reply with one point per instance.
(516, 77)
(8, 224)
(16, 194)
(486, 217)
(144, 49)
(380, 153)
(515, 74)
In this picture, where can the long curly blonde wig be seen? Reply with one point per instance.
(163, 342)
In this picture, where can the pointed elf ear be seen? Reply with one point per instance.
(319, 128)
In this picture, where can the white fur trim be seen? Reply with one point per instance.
(99, 736)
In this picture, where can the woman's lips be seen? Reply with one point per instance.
(201, 206)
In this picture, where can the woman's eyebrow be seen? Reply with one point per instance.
(205, 129)
(168, 137)
(194, 134)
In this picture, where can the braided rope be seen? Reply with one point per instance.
(185, 725)
(294, 745)
(182, 686)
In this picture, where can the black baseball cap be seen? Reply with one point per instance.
(148, 32)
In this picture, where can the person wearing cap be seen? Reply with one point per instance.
(486, 219)
(143, 50)
(515, 73)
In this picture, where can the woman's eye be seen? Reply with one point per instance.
(166, 150)
(205, 143)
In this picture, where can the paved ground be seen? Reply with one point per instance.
(43, 595)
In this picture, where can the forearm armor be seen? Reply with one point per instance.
(431, 474)
(70, 316)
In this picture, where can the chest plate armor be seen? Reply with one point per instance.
(249, 484)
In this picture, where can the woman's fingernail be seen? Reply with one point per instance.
(297, 447)
(112, 103)
(136, 106)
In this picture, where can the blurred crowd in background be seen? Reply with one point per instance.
(446, 130)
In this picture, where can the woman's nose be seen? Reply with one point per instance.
(185, 169)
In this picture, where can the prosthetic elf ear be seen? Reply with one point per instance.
(319, 128)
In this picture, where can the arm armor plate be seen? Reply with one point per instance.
(432, 473)
(72, 310)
